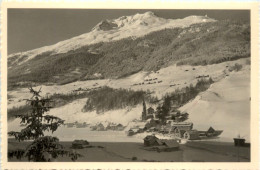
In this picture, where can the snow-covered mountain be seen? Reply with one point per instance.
(130, 44)
(108, 30)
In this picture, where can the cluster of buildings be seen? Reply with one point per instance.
(150, 121)
(109, 126)
(76, 125)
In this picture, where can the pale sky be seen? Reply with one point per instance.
(33, 28)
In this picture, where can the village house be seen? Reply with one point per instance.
(98, 127)
(116, 127)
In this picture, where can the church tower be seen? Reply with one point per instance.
(144, 111)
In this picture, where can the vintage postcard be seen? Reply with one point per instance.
(141, 85)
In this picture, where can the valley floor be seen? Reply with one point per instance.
(195, 151)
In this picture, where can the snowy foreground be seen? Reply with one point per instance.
(224, 106)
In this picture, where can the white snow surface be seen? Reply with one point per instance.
(224, 106)
(127, 26)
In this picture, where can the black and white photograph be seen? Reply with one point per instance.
(129, 85)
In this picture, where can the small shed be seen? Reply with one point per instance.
(79, 144)
(239, 141)
(152, 140)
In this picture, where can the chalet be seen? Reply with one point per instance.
(118, 127)
(70, 125)
(131, 132)
(100, 127)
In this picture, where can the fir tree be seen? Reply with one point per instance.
(43, 148)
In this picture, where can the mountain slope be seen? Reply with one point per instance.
(225, 105)
(197, 44)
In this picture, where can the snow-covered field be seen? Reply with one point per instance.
(224, 106)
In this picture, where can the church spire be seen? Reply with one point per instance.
(144, 111)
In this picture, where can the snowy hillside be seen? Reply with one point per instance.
(147, 54)
(224, 106)
(109, 30)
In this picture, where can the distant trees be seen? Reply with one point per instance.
(102, 99)
(163, 110)
(180, 97)
(107, 98)
(43, 148)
